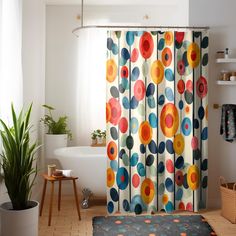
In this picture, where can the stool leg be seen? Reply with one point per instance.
(76, 199)
(43, 196)
(59, 196)
(51, 203)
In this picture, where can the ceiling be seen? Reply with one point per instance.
(113, 2)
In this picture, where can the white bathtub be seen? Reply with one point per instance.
(88, 163)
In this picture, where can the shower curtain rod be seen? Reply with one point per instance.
(138, 27)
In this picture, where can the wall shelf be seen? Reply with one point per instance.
(226, 60)
(221, 82)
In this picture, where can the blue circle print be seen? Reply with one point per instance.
(114, 195)
(109, 43)
(121, 153)
(160, 167)
(141, 170)
(149, 160)
(169, 75)
(125, 54)
(169, 94)
(134, 125)
(130, 37)
(121, 88)
(114, 92)
(186, 126)
(122, 61)
(179, 163)
(151, 102)
(114, 49)
(152, 120)
(161, 147)
(161, 100)
(201, 112)
(134, 103)
(114, 165)
(125, 102)
(150, 89)
(110, 207)
(169, 185)
(169, 146)
(181, 104)
(134, 159)
(152, 147)
(161, 44)
(204, 134)
(125, 83)
(135, 73)
(169, 207)
(142, 148)
(179, 194)
(114, 133)
(126, 205)
(196, 124)
(122, 178)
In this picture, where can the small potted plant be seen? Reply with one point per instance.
(104, 137)
(99, 136)
(57, 132)
(94, 137)
(18, 163)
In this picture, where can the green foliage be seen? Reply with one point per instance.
(98, 133)
(19, 169)
(55, 127)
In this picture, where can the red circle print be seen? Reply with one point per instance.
(134, 55)
(179, 36)
(139, 90)
(181, 86)
(123, 125)
(146, 45)
(135, 180)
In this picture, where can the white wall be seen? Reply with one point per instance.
(66, 81)
(219, 15)
(33, 63)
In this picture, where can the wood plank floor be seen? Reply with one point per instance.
(66, 223)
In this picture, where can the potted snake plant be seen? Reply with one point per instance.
(19, 217)
(57, 132)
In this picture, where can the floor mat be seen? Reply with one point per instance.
(152, 225)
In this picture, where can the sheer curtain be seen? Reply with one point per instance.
(91, 84)
(10, 63)
(10, 56)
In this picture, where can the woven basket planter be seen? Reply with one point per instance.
(228, 200)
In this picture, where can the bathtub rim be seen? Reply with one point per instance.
(60, 152)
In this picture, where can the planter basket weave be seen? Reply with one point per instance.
(228, 200)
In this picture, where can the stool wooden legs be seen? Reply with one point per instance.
(59, 196)
(76, 199)
(51, 202)
(43, 196)
(52, 180)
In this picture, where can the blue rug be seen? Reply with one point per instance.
(152, 225)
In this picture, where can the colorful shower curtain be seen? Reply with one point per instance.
(156, 114)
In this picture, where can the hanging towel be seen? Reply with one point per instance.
(228, 122)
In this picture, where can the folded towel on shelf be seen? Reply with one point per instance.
(228, 122)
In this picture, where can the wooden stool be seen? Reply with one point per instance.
(52, 180)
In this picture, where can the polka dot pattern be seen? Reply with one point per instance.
(156, 118)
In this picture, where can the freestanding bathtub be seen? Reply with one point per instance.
(88, 163)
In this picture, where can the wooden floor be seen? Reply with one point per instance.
(66, 223)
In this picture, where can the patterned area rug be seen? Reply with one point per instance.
(149, 225)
